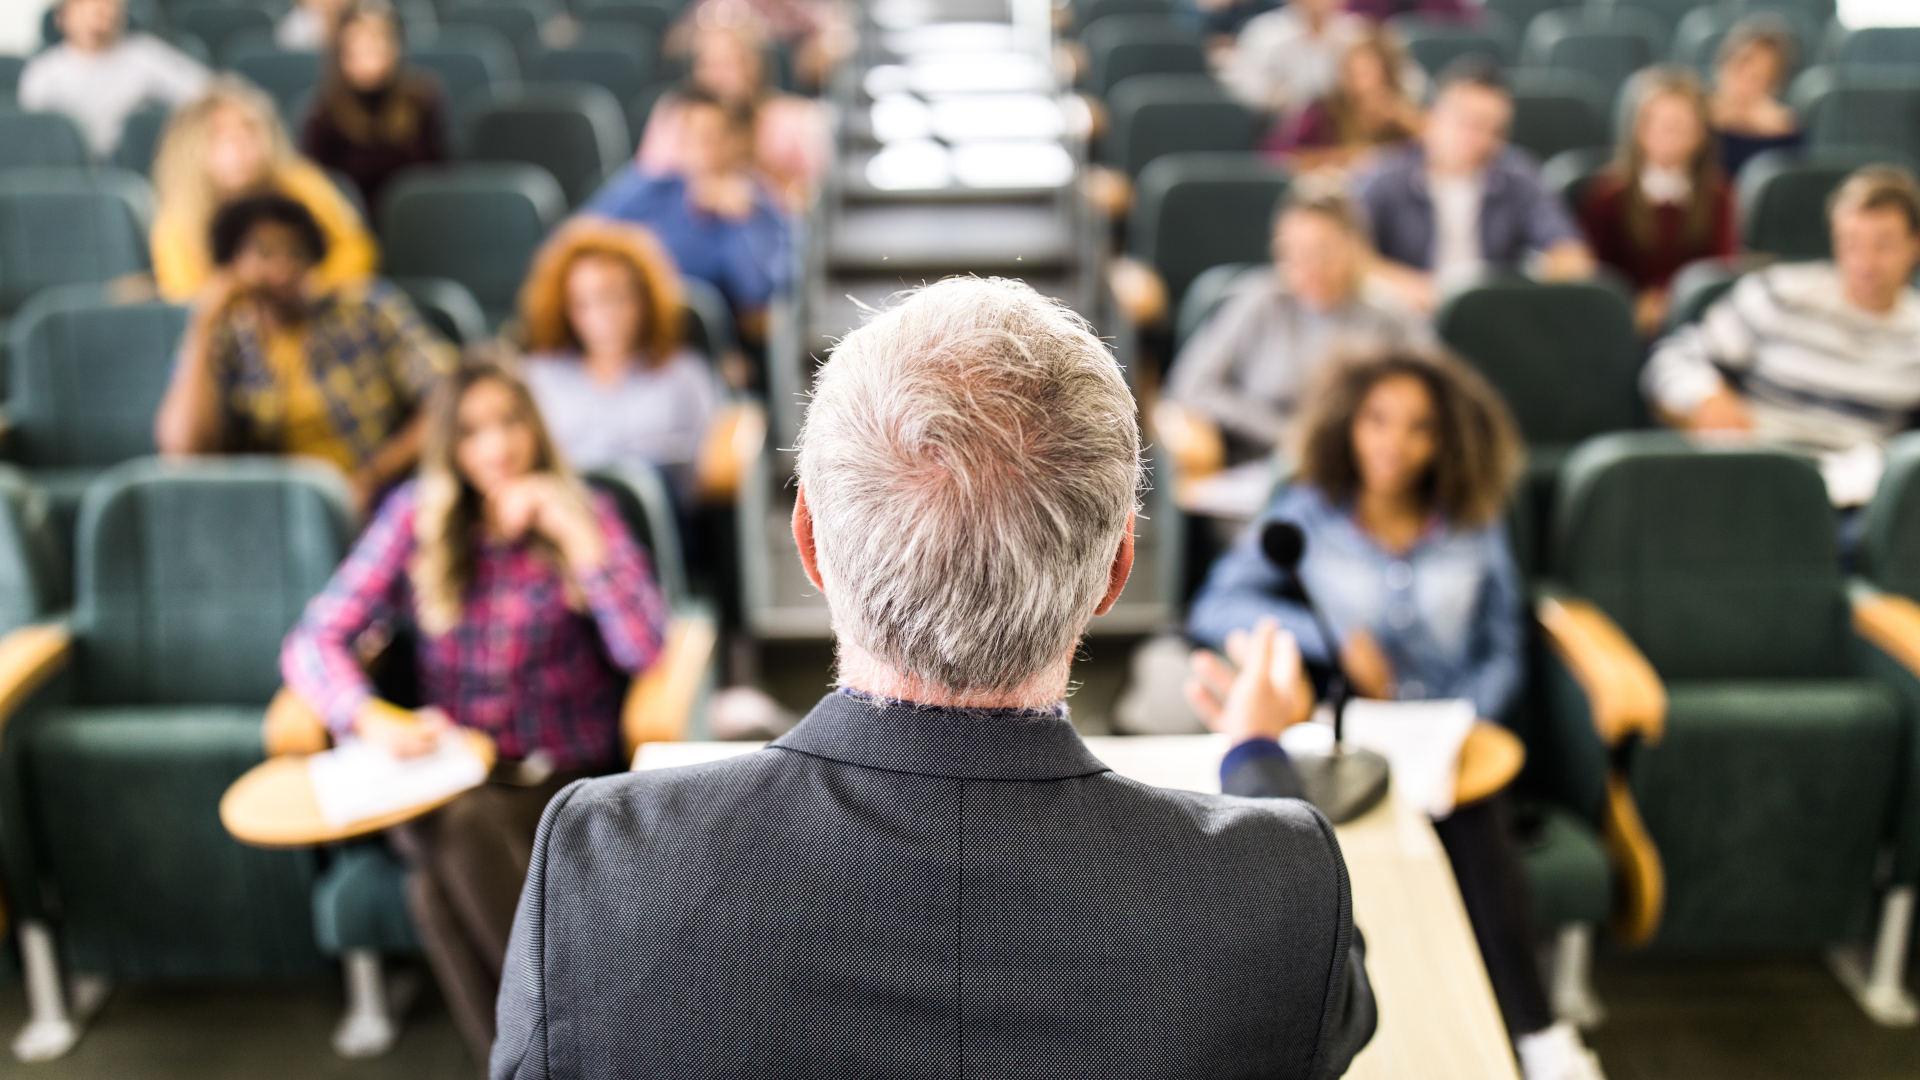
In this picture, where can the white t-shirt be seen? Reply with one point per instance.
(1456, 225)
(657, 415)
(99, 90)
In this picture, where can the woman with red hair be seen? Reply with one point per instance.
(601, 313)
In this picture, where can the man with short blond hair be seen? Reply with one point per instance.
(932, 875)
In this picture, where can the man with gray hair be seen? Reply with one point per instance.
(932, 875)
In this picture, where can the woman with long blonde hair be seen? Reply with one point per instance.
(1664, 201)
(227, 144)
(531, 608)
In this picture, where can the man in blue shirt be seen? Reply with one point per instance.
(717, 221)
(1460, 200)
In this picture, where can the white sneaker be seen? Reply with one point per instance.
(1557, 1054)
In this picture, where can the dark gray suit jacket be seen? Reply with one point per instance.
(891, 891)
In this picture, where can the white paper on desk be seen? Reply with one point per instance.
(1853, 475)
(1421, 741)
(356, 781)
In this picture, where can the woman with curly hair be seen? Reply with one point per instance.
(227, 145)
(1405, 461)
(531, 608)
(601, 314)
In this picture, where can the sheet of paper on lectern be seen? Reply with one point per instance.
(356, 781)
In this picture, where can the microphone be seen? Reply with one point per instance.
(1347, 782)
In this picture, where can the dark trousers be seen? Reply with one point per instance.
(1486, 863)
(466, 864)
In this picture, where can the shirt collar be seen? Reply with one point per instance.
(930, 740)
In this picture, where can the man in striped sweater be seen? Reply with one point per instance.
(1822, 355)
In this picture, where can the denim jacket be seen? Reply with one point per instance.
(1446, 612)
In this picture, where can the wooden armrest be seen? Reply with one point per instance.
(28, 658)
(1139, 291)
(1108, 191)
(292, 726)
(1191, 440)
(732, 441)
(1891, 624)
(659, 705)
(1623, 691)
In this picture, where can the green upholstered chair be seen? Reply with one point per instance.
(1877, 46)
(1701, 283)
(187, 576)
(1864, 109)
(1521, 13)
(1434, 43)
(654, 17)
(517, 23)
(473, 63)
(140, 139)
(575, 131)
(1708, 704)
(1783, 199)
(1570, 174)
(1555, 110)
(214, 23)
(40, 140)
(617, 57)
(1605, 44)
(359, 905)
(475, 224)
(1120, 48)
(1086, 15)
(84, 378)
(1566, 359)
(1159, 114)
(63, 226)
(449, 306)
(289, 76)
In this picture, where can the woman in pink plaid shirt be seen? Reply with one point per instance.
(532, 609)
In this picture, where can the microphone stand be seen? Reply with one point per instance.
(1345, 783)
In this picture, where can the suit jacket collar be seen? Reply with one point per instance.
(965, 744)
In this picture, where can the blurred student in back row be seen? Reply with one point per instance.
(99, 73)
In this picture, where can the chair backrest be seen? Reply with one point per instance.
(1698, 286)
(1193, 211)
(140, 138)
(1204, 297)
(475, 224)
(1569, 173)
(1093, 11)
(1876, 46)
(1555, 111)
(1133, 49)
(655, 17)
(1717, 563)
(615, 57)
(289, 77)
(519, 24)
(1155, 115)
(213, 23)
(474, 64)
(1783, 200)
(1606, 45)
(1434, 43)
(640, 108)
(63, 226)
(85, 377)
(1696, 41)
(33, 576)
(1890, 537)
(449, 306)
(1667, 12)
(708, 321)
(189, 575)
(1523, 12)
(1565, 356)
(10, 69)
(1854, 110)
(647, 508)
(40, 140)
(576, 132)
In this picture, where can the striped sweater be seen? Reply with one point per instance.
(1815, 370)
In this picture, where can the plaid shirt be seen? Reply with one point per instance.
(522, 665)
(370, 352)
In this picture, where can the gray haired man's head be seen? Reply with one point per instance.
(969, 467)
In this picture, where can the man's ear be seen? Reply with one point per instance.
(803, 539)
(1116, 577)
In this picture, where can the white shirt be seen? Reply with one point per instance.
(1279, 62)
(1665, 185)
(657, 415)
(301, 30)
(1456, 225)
(99, 90)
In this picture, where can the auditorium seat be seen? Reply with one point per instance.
(1155, 115)
(1120, 48)
(1434, 43)
(1703, 679)
(1877, 46)
(617, 58)
(1666, 13)
(1521, 13)
(1570, 173)
(1696, 41)
(40, 140)
(708, 321)
(289, 77)
(449, 306)
(1209, 290)
(1859, 110)
(59, 227)
(1556, 110)
(84, 378)
(518, 24)
(1085, 15)
(576, 132)
(359, 908)
(140, 139)
(1566, 359)
(473, 63)
(1607, 45)
(1700, 284)
(214, 23)
(654, 17)
(475, 224)
(10, 68)
(187, 577)
(1783, 199)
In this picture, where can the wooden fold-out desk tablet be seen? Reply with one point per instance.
(1438, 1020)
(272, 804)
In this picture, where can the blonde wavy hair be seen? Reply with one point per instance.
(179, 174)
(448, 512)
